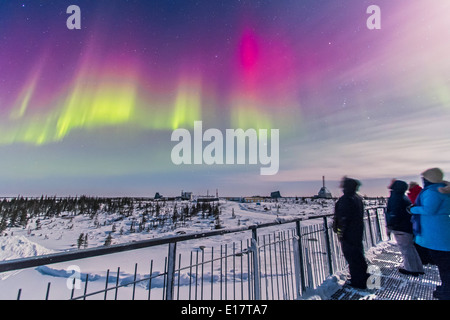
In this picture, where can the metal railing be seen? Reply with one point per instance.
(277, 261)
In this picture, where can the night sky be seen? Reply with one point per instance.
(92, 111)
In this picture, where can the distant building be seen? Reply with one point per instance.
(323, 192)
(235, 199)
(157, 196)
(253, 199)
(207, 199)
(275, 195)
(186, 195)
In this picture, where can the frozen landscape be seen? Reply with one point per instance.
(109, 223)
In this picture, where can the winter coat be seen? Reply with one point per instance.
(445, 189)
(397, 216)
(434, 210)
(414, 192)
(349, 214)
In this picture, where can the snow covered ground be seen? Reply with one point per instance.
(62, 233)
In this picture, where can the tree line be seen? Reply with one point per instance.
(17, 212)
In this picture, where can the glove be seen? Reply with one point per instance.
(340, 233)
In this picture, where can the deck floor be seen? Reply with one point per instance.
(393, 284)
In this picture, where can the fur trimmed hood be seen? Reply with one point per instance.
(446, 189)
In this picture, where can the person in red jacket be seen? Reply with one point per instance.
(413, 191)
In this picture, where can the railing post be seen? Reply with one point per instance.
(297, 264)
(328, 244)
(370, 227)
(171, 270)
(378, 225)
(256, 272)
(309, 269)
(300, 257)
(255, 233)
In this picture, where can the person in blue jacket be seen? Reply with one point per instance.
(433, 207)
(398, 221)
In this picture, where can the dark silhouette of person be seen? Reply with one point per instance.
(349, 226)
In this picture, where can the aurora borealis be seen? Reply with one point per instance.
(91, 111)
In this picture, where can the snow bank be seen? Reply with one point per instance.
(16, 247)
(126, 279)
(44, 270)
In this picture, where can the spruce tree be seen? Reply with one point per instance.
(80, 240)
(108, 240)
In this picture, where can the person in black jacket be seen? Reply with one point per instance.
(349, 226)
(398, 221)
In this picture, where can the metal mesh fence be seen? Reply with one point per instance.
(277, 261)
